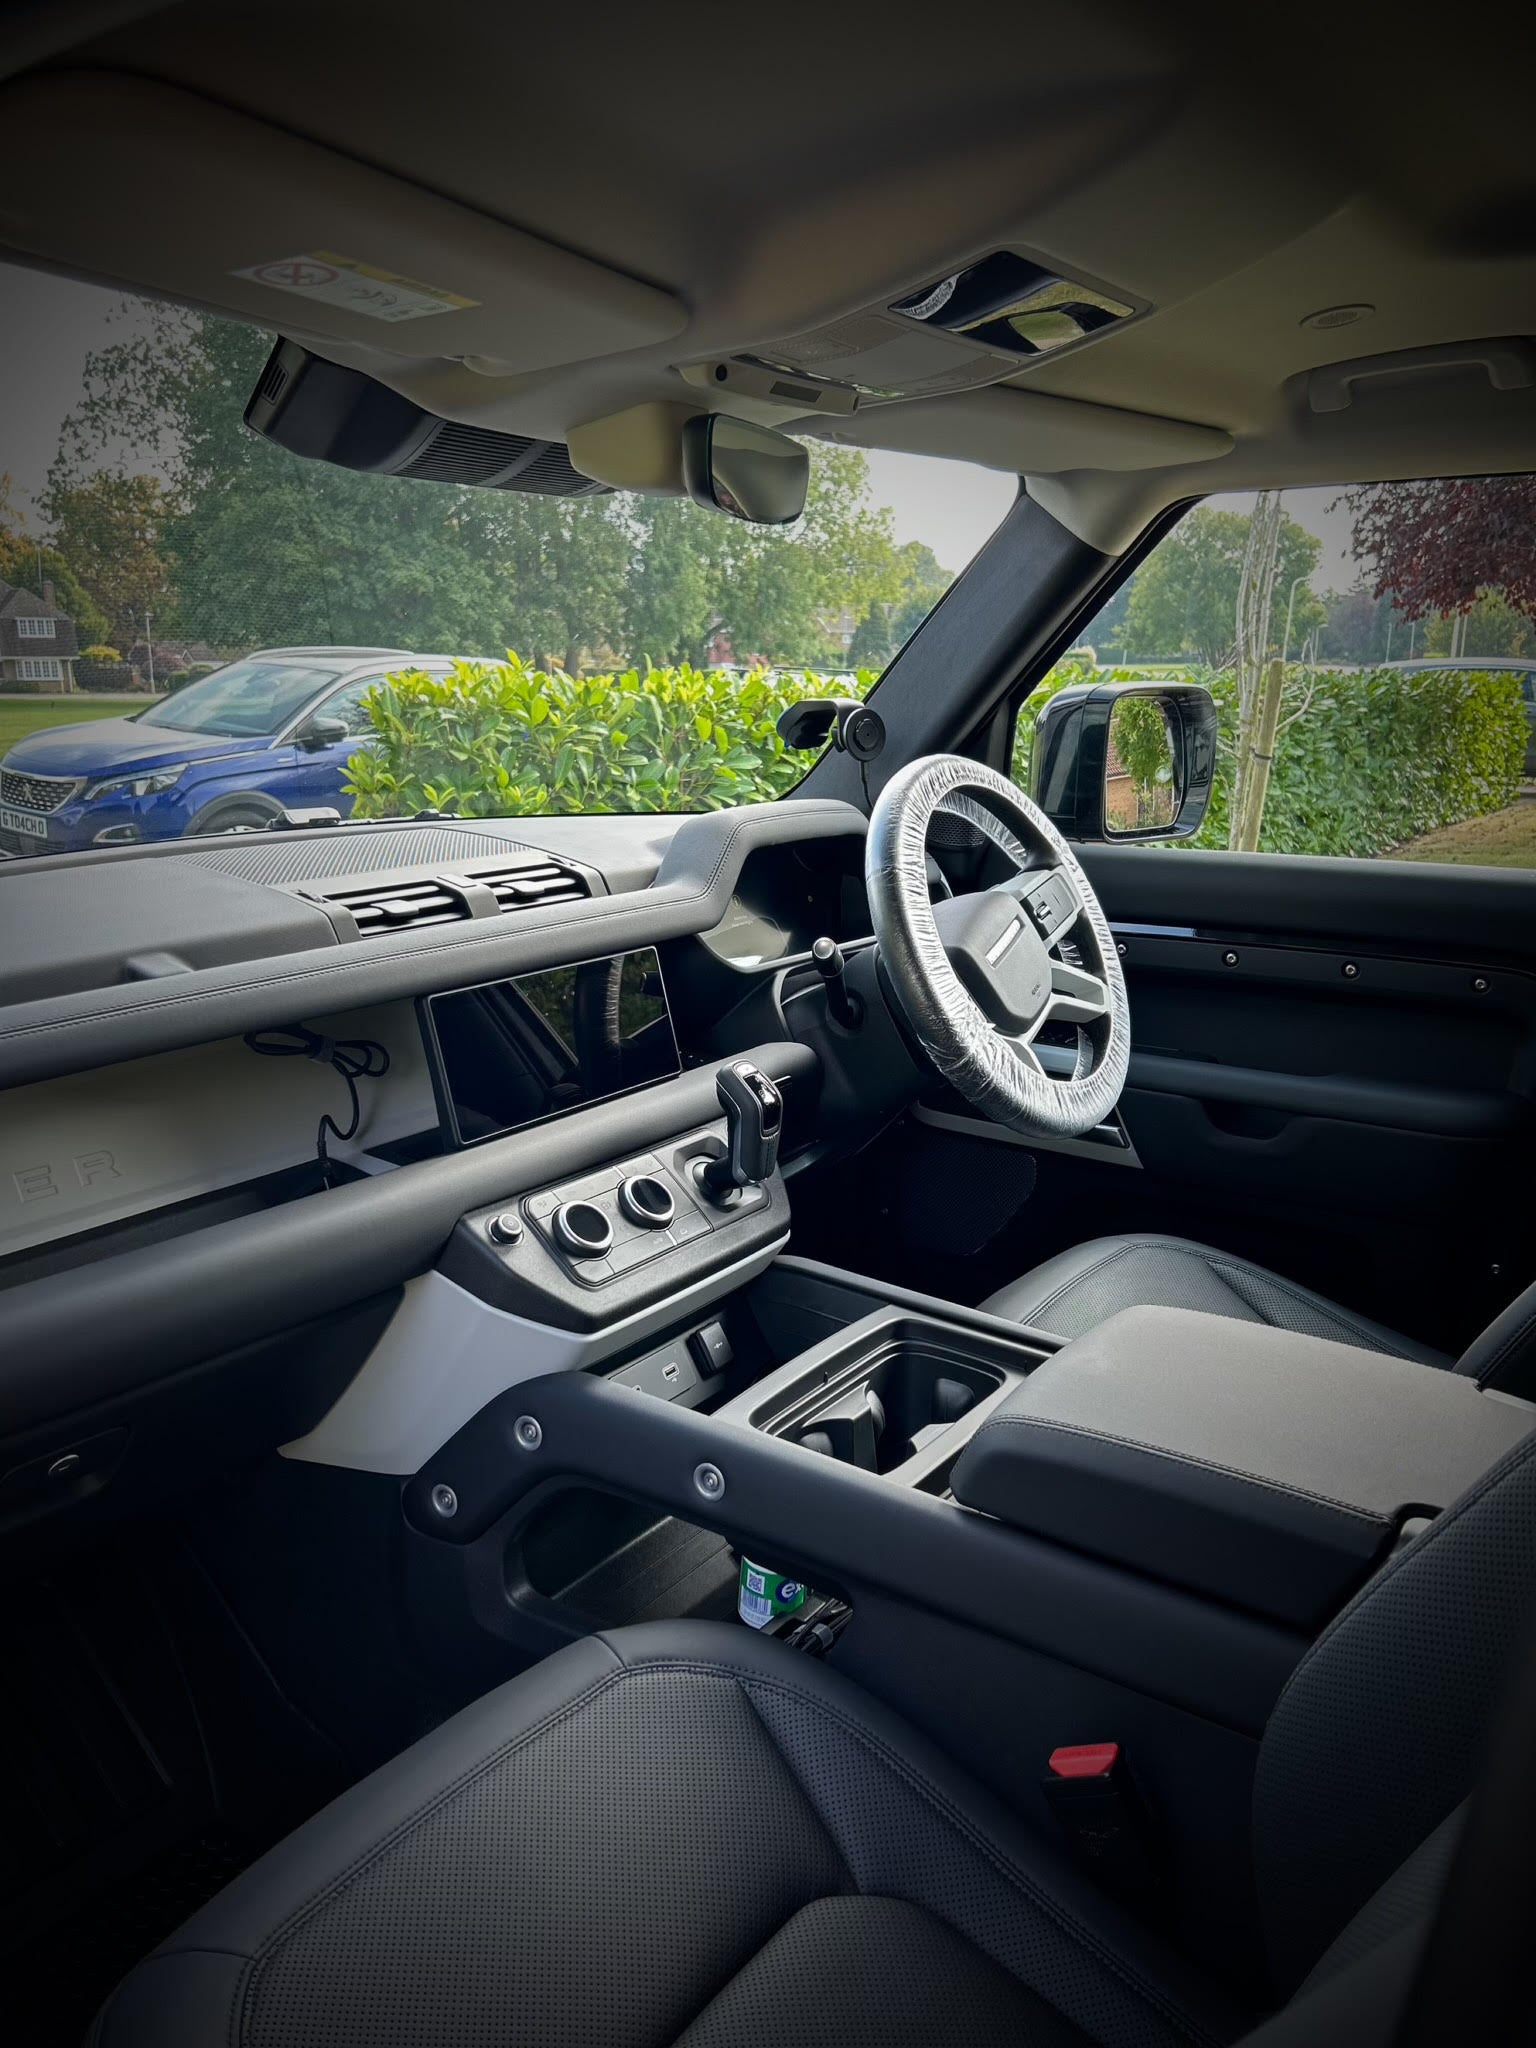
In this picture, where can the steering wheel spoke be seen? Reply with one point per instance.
(1076, 997)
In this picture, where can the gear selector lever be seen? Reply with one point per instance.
(754, 1118)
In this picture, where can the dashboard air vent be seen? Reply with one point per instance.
(400, 906)
(484, 889)
(520, 885)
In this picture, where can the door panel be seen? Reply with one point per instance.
(1334, 1068)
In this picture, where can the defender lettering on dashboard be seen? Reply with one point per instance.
(36, 1183)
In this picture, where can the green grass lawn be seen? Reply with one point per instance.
(1504, 839)
(21, 715)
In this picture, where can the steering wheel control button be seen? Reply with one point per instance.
(1052, 903)
(505, 1229)
(711, 1348)
(647, 1201)
(582, 1230)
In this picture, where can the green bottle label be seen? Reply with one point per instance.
(764, 1595)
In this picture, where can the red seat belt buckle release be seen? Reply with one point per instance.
(1088, 1788)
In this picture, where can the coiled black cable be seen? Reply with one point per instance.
(355, 1059)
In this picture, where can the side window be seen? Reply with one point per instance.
(1372, 653)
(347, 704)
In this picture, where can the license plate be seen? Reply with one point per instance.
(23, 821)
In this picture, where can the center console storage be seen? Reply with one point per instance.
(1265, 1469)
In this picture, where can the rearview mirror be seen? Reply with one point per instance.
(1125, 761)
(744, 469)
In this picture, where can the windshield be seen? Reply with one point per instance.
(566, 654)
(247, 699)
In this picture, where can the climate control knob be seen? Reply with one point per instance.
(646, 1200)
(581, 1229)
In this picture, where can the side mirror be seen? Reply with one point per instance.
(319, 733)
(1121, 761)
(746, 470)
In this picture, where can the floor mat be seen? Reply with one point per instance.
(147, 1758)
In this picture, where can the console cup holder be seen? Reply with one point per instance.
(887, 1393)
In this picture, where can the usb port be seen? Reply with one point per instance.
(669, 1372)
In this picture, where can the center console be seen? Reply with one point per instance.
(897, 1393)
(585, 1252)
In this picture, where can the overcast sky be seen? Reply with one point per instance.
(50, 324)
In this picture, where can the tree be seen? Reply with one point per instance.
(1489, 625)
(1183, 599)
(887, 626)
(110, 528)
(1439, 545)
(261, 547)
(30, 563)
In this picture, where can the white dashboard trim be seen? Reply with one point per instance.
(446, 1353)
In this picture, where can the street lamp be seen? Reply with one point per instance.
(1289, 613)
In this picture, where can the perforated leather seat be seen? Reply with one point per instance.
(685, 1834)
(1079, 1289)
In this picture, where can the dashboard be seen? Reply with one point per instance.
(127, 995)
(545, 1009)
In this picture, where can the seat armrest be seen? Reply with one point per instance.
(1256, 1466)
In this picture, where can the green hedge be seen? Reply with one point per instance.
(1377, 757)
(506, 740)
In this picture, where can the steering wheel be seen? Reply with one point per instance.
(978, 977)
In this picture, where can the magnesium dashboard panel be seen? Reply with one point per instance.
(82, 1151)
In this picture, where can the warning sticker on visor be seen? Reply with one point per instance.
(342, 281)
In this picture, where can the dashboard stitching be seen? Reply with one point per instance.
(678, 895)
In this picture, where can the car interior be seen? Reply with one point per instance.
(1074, 1298)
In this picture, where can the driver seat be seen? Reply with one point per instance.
(1079, 1289)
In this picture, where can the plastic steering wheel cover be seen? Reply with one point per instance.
(996, 1074)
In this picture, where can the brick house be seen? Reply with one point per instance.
(38, 642)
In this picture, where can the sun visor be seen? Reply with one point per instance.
(168, 192)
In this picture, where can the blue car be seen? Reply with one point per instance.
(270, 733)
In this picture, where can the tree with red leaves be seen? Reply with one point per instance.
(1438, 546)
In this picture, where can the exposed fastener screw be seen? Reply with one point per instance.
(528, 1433)
(1479, 984)
(1120, 947)
(1350, 970)
(445, 1502)
(710, 1481)
(1229, 959)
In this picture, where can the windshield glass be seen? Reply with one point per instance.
(601, 652)
(246, 699)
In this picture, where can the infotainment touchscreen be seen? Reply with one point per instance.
(511, 1053)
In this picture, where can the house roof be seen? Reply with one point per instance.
(16, 603)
